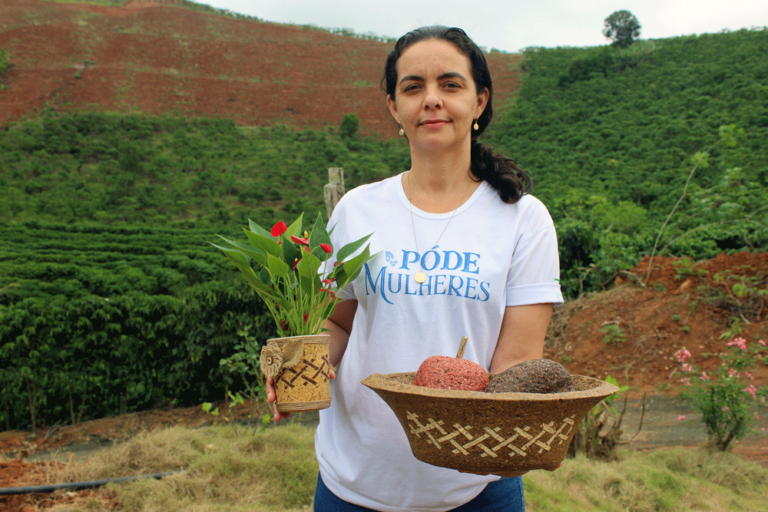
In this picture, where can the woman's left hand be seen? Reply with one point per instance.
(513, 474)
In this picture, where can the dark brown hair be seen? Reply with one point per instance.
(501, 172)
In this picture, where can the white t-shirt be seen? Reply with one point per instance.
(491, 255)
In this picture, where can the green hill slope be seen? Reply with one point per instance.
(97, 206)
(610, 135)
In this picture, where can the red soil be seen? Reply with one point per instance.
(656, 320)
(162, 59)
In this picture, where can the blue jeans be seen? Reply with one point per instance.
(505, 495)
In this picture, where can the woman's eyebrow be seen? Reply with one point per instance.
(418, 78)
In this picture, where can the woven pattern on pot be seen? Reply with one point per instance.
(306, 373)
(488, 442)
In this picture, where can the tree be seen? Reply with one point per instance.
(622, 28)
(349, 125)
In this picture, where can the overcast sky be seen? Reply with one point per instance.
(511, 25)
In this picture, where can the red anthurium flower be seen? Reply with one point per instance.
(300, 241)
(306, 316)
(296, 262)
(329, 281)
(306, 248)
(278, 229)
(326, 248)
(328, 291)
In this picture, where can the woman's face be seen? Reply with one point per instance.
(436, 100)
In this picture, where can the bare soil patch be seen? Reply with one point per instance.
(157, 58)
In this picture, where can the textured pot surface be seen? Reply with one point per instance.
(306, 386)
(488, 432)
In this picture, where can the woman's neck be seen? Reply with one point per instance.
(439, 185)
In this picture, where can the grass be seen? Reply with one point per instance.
(275, 470)
(667, 480)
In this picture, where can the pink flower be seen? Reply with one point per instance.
(278, 229)
(752, 390)
(749, 375)
(732, 372)
(757, 416)
(762, 343)
(682, 355)
(686, 367)
(739, 342)
(704, 376)
(300, 241)
(680, 418)
(327, 248)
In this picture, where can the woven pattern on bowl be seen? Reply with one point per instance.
(482, 432)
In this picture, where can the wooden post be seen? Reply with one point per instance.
(334, 190)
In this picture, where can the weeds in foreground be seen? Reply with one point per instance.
(275, 470)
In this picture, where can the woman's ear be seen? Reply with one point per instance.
(482, 101)
(393, 108)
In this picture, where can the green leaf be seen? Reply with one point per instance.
(319, 236)
(278, 267)
(266, 244)
(351, 248)
(250, 251)
(353, 267)
(234, 254)
(265, 277)
(255, 228)
(295, 228)
(309, 279)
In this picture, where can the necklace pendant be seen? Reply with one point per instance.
(420, 277)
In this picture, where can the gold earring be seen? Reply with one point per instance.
(401, 132)
(476, 126)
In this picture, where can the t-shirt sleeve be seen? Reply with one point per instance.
(534, 272)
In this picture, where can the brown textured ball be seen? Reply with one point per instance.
(443, 372)
(535, 376)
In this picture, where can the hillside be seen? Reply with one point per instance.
(163, 58)
(134, 134)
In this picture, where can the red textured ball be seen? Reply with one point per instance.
(443, 372)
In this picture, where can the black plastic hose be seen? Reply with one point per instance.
(80, 485)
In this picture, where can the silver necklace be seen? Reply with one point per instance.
(421, 276)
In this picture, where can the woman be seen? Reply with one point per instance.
(463, 250)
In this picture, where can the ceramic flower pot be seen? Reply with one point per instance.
(300, 366)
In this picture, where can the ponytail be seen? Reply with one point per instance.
(501, 172)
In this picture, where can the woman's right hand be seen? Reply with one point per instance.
(271, 397)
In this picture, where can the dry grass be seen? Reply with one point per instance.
(667, 480)
(270, 470)
(275, 470)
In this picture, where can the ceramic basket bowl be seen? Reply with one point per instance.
(480, 432)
